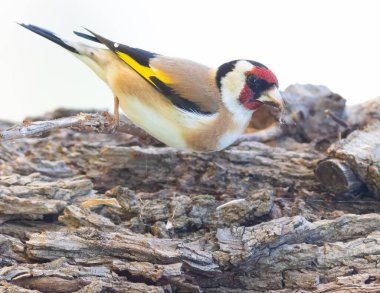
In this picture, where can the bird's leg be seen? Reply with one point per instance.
(116, 111)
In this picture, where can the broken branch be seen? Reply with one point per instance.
(99, 122)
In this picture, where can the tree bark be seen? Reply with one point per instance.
(338, 177)
(359, 156)
(107, 212)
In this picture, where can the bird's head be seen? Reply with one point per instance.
(247, 85)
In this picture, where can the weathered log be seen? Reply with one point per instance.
(100, 122)
(12, 207)
(37, 185)
(36, 196)
(360, 154)
(338, 177)
(233, 258)
(253, 218)
(361, 115)
(307, 119)
(247, 255)
(6, 287)
(12, 251)
(60, 276)
(206, 172)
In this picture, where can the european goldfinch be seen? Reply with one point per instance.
(183, 104)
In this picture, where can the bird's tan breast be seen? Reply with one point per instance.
(217, 135)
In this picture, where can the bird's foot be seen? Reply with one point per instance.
(114, 125)
(116, 119)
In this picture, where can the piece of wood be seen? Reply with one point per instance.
(363, 114)
(360, 152)
(338, 177)
(104, 212)
(244, 254)
(99, 122)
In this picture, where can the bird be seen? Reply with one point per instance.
(182, 103)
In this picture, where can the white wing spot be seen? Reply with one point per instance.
(116, 45)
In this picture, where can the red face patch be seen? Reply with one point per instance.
(263, 73)
(247, 98)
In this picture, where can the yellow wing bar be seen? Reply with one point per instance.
(145, 71)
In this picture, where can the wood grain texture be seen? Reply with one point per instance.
(105, 212)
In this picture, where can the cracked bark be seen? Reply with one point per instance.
(359, 153)
(100, 212)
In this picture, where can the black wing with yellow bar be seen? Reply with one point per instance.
(139, 60)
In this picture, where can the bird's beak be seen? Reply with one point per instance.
(272, 97)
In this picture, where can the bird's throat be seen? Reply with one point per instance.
(246, 97)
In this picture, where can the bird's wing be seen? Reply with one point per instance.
(188, 85)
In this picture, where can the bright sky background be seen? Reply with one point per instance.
(335, 43)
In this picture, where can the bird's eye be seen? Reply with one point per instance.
(256, 83)
(251, 80)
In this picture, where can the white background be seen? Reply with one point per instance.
(335, 43)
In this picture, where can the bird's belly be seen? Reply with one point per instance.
(162, 127)
(232, 134)
(229, 138)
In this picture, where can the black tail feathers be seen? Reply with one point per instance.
(88, 37)
(50, 36)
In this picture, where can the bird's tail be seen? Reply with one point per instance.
(95, 58)
(50, 36)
